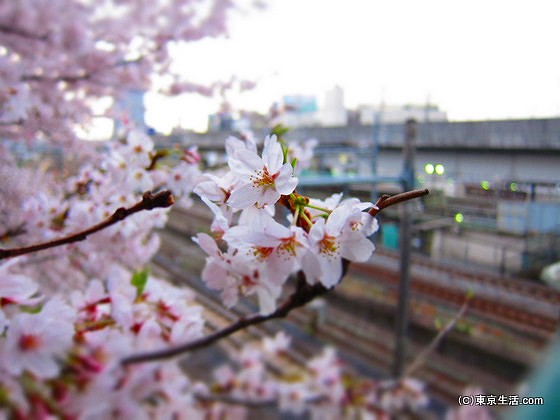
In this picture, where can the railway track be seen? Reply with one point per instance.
(529, 307)
(523, 288)
(519, 318)
(365, 350)
(512, 322)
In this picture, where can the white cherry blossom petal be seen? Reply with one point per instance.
(285, 182)
(357, 248)
(272, 153)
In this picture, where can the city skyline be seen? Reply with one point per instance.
(478, 60)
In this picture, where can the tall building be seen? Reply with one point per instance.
(333, 113)
(130, 107)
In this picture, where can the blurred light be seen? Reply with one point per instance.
(485, 185)
(429, 168)
(459, 218)
(420, 179)
(440, 169)
(343, 158)
(513, 186)
(97, 129)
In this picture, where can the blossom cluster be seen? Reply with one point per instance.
(62, 356)
(62, 347)
(58, 58)
(69, 315)
(263, 252)
(322, 388)
(124, 171)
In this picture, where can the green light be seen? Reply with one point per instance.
(485, 185)
(459, 218)
(429, 168)
(513, 186)
(440, 169)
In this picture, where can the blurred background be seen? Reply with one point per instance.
(482, 83)
(478, 86)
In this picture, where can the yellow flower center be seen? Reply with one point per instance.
(328, 245)
(263, 178)
(262, 252)
(289, 245)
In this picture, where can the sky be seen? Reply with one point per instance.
(475, 60)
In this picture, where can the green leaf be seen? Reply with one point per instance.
(139, 280)
(279, 130)
(31, 309)
(294, 163)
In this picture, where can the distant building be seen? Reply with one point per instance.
(395, 114)
(130, 107)
(333, 113)
(236, 121)
(254, 119)
(220, 121)
(295, 111)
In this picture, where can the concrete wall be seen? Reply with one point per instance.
(480, 248)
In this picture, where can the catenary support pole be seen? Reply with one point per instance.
(405, 246)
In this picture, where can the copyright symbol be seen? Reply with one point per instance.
(465, 399)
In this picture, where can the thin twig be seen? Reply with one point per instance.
(12, 232)
(233, 400)
(149, 201)
(74, 78)
(159, 154)
(303, 294)
(386, 200)
(10, 30)
(420, 359)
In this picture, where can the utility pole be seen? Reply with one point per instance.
(405, 246)
(375, 137)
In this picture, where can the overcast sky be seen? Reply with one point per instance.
(488, 59)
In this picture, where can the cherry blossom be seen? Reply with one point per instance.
(247, 143)
(16, 288)
(342, 235)
(264, 178)
(34, 341)
(233, 273)
(221, 222)
(281, 248)
(217, 188)
(302, 152)
(277, 344)
(71, 316)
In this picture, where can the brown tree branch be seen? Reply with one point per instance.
(387, 200)
(74, 78)
(149, 202)
(10, 30)
(303, 294)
